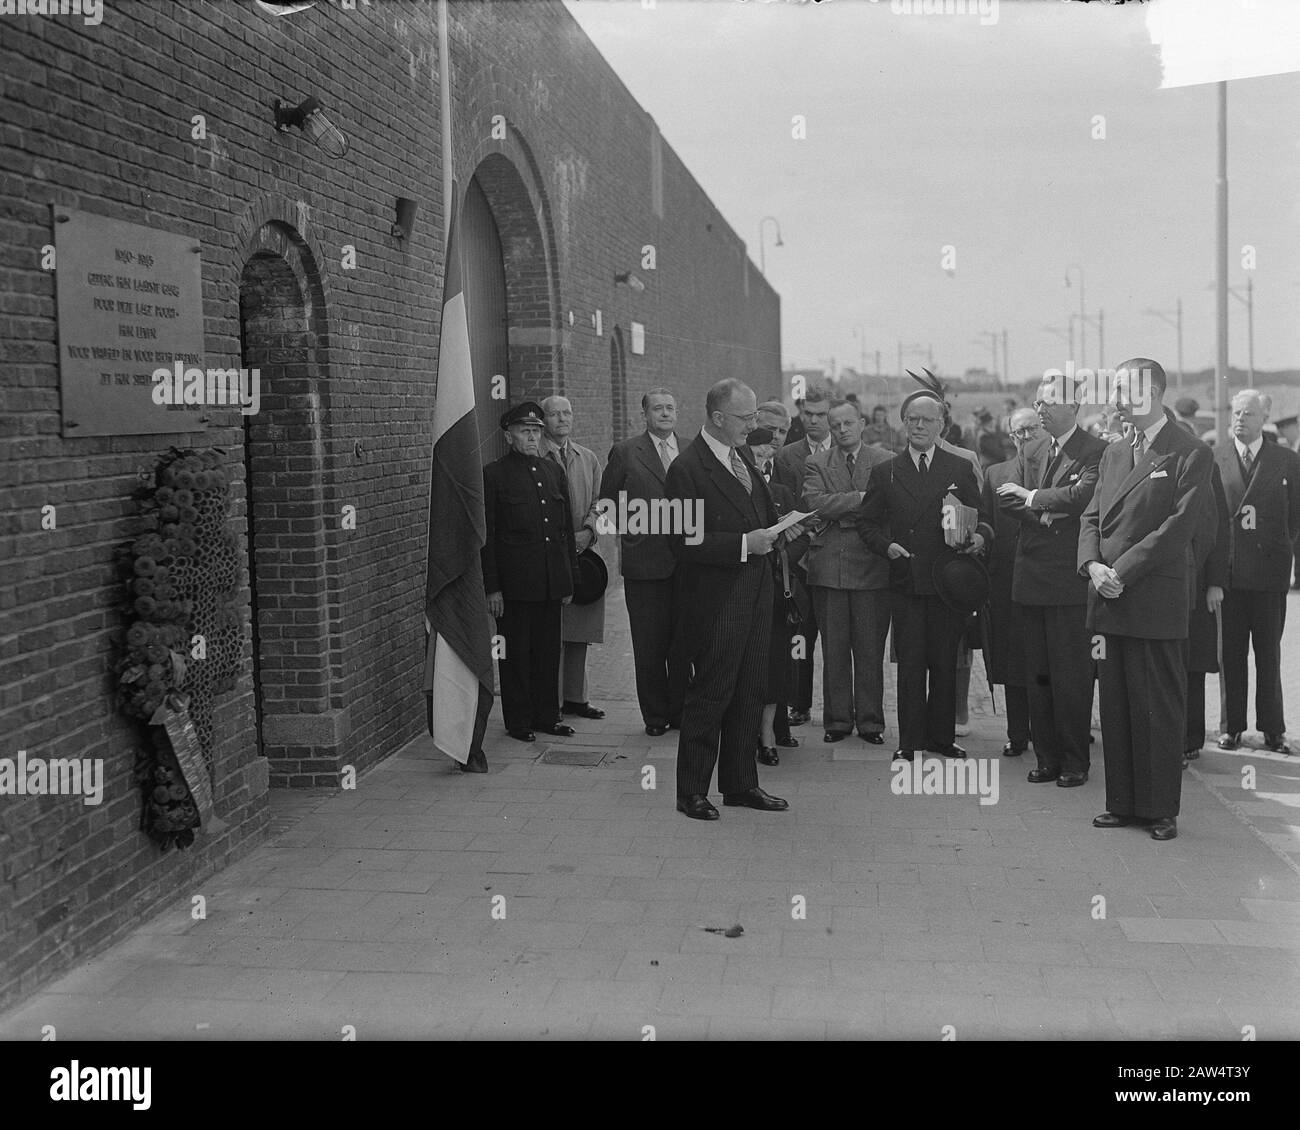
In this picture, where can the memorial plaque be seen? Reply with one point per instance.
(130, 300)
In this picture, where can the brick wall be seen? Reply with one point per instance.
(100, 119)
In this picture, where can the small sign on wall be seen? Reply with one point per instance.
(638, 338)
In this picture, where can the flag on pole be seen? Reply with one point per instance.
(458, 661)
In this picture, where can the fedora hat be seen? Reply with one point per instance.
(592, 577)
(962, 582)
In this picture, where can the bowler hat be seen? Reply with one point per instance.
(1186, 406)
(529, 412)
(592, 577)
(961, 582)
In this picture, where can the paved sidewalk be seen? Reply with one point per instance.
(374, 908)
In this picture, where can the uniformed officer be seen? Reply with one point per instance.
(530, 567)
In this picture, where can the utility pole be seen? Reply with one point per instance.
(1249, 302)
(1175, 320)
(1006, 365)
(1083, 317)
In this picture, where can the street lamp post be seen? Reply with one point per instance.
(1083, 317)
(1176, 320)
(762, 252)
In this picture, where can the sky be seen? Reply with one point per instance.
(926, 132)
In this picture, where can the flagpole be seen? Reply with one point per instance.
(444, 110)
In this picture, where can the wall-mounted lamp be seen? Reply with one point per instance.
(629, 279)
(310, 118)
(405, 222)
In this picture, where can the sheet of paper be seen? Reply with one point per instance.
(789, 520)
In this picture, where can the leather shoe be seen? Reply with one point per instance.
(1069, 780)
(475, 763)
(1229, 741)
(697, 807)
(798, 717)
(902, 755)
(656, 731)
(582, 710)
(1111, 820)
(522, 735)
(1042, 776)
(1276, 743)
(834, 736)
(874, 739)
(767, 755)
(1164, 828)
(1191, 754)
(788, 742)
(559, 730)
(953, 750)
(755, 798)
(1011, 749)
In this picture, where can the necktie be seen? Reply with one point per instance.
(663, 454)
(850, 460)
(1139, 444)
(1247, 459)
(1051, 464)
(741, 472)
(767, 470)
(924, 466)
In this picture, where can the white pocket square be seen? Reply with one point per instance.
(952, 486)
(1073, 477)
(1160, 474)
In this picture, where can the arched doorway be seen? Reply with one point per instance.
(618, 385)
(485, 305)
(511, 292)
(296, 659)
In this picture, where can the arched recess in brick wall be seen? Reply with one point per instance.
(292, 571)
(519, 210)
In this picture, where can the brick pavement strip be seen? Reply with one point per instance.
(567, 902)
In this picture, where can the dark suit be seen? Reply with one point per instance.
(1004, 658)
(789, 472)
(1264, 520)
(850, 590)
(647, 564)
(1053, 598)
(725, 606)
(529, 557)
(1140, 522)
(901, 506)
(1210, 567)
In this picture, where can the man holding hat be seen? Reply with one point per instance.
(530, 569)
(902, 518)
(582, 622)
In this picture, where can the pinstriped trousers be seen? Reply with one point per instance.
(723, 705)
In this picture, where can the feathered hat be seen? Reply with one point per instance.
(931, 386)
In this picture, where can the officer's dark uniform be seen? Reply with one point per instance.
(530, 558)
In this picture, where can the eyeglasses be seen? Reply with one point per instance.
(915, 421)
(1025, 433)
(752, 418)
